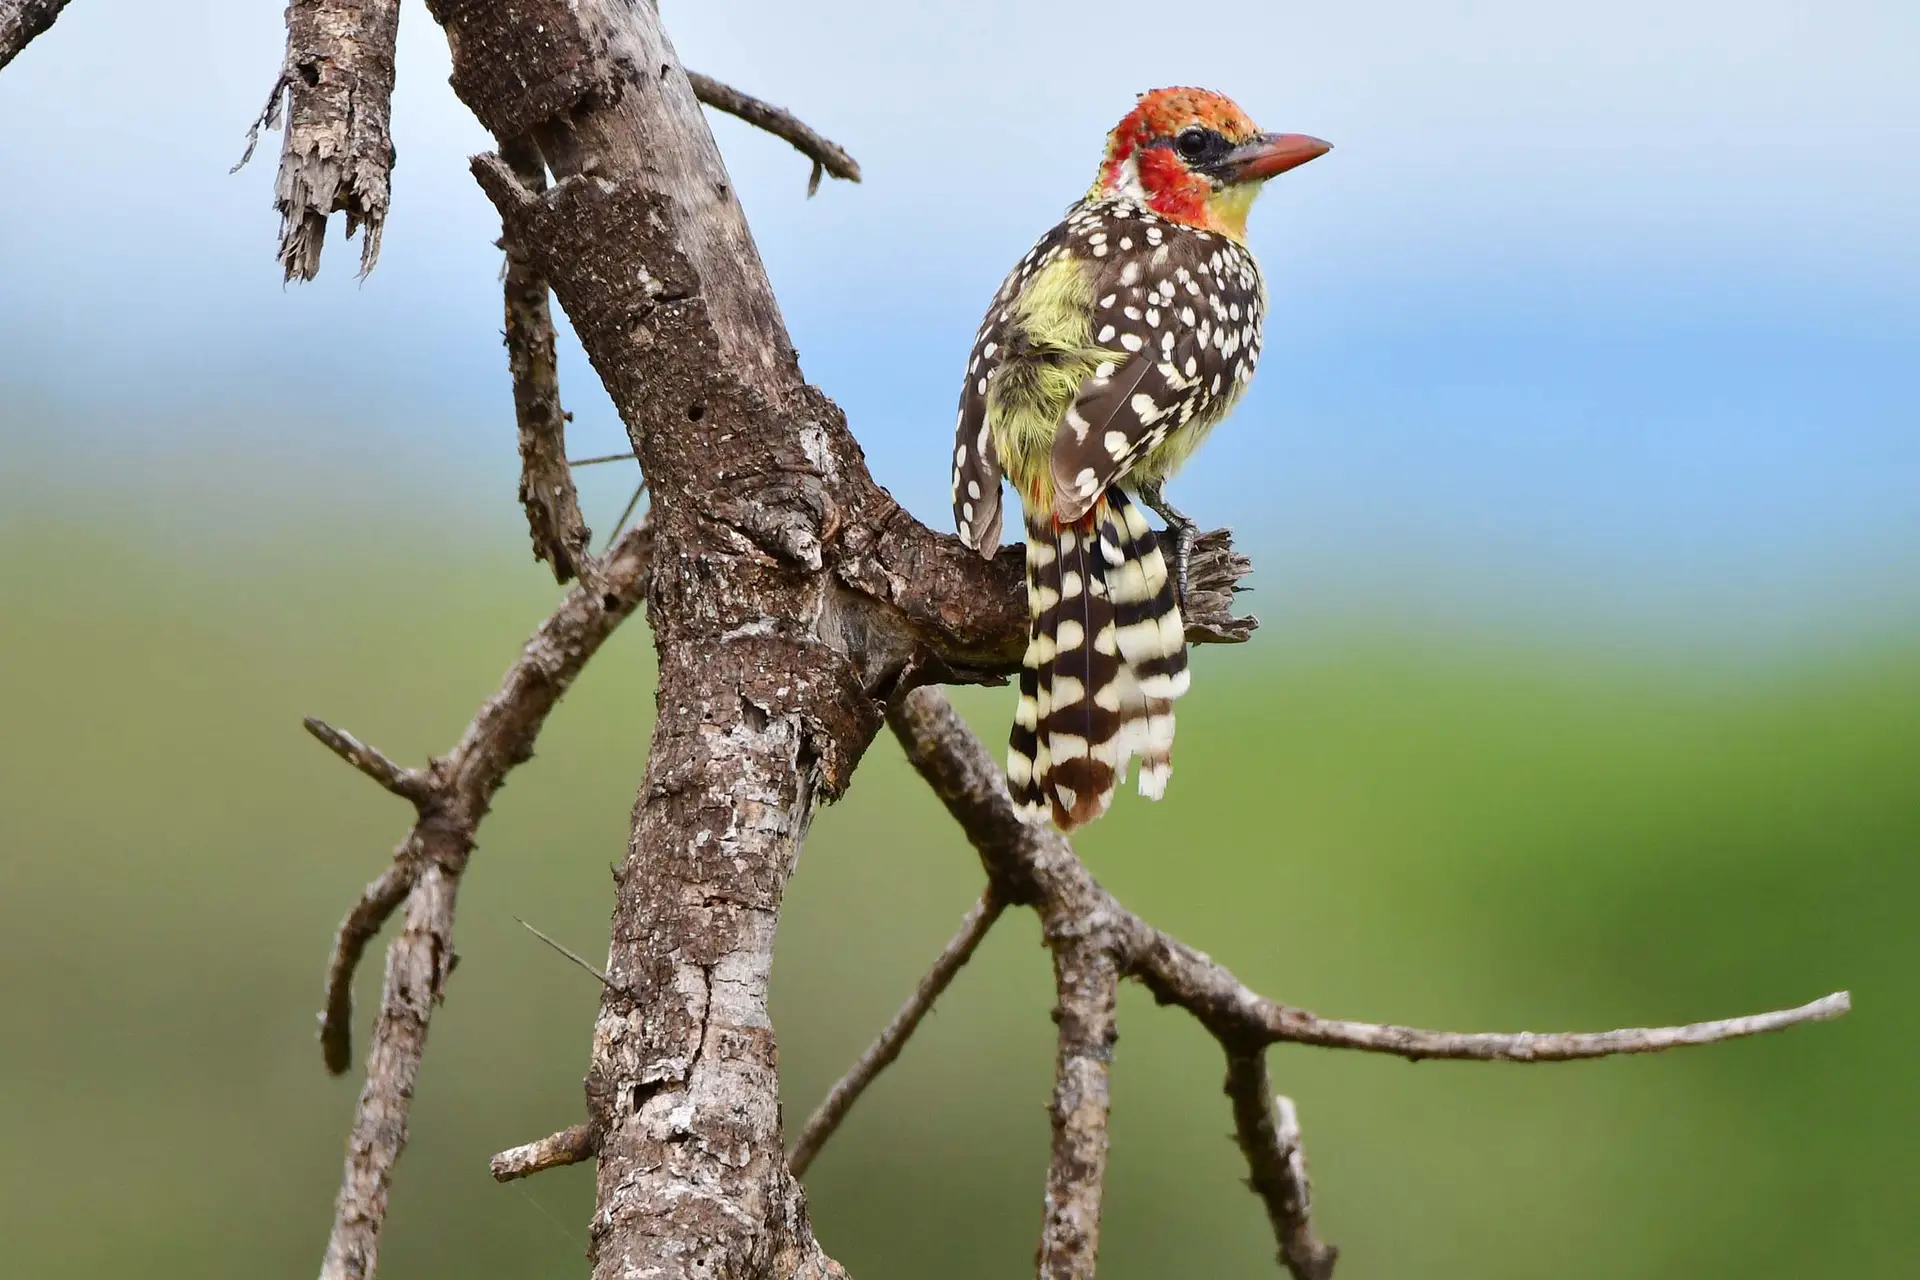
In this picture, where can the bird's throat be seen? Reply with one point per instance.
(1227, 209)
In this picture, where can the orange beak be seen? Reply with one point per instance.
(1268, 155)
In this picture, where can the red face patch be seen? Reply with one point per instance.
(1172, 188)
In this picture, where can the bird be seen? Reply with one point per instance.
(1124, 336)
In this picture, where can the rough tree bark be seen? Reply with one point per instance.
(796, 609)
(21, 21)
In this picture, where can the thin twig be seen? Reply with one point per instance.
(881, 1053)
(403, 782)
(1177, 974)
(569, 1146)
(23, 20)
(362, 922)
(639, 492)
(781, 123)
(605, 457)
(1268, 1132)
(575, 957)
(559, 532)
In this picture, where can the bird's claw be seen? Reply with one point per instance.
(1185, 531)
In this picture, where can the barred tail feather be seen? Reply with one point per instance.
(1106, 656)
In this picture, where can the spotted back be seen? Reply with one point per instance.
(1179, 311)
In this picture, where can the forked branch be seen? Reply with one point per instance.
(1035, 866)
(451, 797)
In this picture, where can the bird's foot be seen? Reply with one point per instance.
(1185, 531)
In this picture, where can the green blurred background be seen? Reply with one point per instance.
(1460, 831)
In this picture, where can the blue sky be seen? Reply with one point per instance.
(1609, 313)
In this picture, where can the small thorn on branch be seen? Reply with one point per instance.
(828, 157)
(406, 783)
(569, 1146)
(577, 959)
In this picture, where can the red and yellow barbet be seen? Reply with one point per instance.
(1122, 338)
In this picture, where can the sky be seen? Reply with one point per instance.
(1603, 314)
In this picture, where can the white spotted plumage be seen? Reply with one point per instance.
(1114, 346)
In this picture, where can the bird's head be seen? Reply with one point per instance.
(1194, 157)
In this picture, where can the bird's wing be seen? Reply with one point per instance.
(976, 464)
(1182, 329)
(977, 467)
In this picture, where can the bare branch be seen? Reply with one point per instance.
(418, 963)
(349, 944)
(1268, 1131)
(403, 782)
(569, 1146)
(881, 1053)
(338, 152)
(426, 871)
(560, 534)
(1087, 981)
(23, 20)
(1040, 866)
(1177, 974)
(781, 123)
(1302, 1027)
(605, 457)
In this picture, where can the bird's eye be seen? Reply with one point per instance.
(1192, 143)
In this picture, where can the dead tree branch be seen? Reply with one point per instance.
(1268, 1131)
(560, 534)
(1177, 974)
(418, 962)
(1035, 866)
(362, 922)
(826, 1118)
(21, 21)
(827, 156)
(1087, 985)
(336, 88)
(569, 1146)
(451, 798)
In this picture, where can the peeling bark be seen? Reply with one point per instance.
(337, 154)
